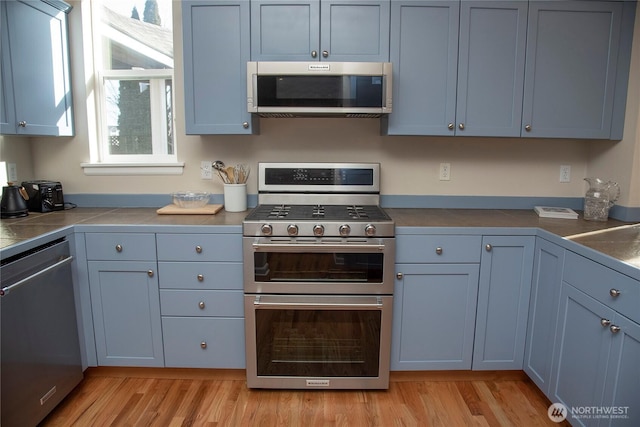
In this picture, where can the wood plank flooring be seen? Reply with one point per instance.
(200, 397)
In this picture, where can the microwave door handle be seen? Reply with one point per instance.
(317, 247)
(360, 304)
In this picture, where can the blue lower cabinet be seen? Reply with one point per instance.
(434, 316)
(503, 302)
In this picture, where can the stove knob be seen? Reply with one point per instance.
(370, 230)
(266, 229)
(292, 230)
(344, 230)
(318, 230)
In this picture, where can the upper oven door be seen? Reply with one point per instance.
(319, 266)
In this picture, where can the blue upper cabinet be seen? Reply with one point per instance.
(424, 54)
(571, 72)
(36, 87)
(319, 30)
(216, 51)
(491, 68)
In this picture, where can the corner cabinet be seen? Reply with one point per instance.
(216, 49)
(571, 72)
(35, 98)
(320, 30)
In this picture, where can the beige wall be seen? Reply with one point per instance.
(479, 166)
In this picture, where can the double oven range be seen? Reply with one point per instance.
(319, 258)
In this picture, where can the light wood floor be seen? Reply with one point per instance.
(189, 397)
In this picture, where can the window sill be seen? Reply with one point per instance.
(115, 169)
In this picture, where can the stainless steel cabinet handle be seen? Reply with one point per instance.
(461, 126)
(325, 53)
(150, 273)
(450, 126)
(201, 304)
(118, 248)
(203, 344)
(615, 329)
(314, 54)
(22, 124)
(439, 250)
(245, 125)
(200, 278)
(527, 128)
(488, 247)
(399, 275)
(199, 249)
(605, 322)
(614, 293)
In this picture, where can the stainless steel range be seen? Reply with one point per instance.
(319, 258)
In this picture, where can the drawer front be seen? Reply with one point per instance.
(438, 249)
(200, 247)
(201, 303)
(203, 342)
(121, 246)
(200, 275)
(601, 282)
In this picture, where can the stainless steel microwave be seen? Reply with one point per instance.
(292, 89)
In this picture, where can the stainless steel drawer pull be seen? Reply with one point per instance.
(199, 249)
(399, 275)
(22, 124)
(614, 293)
(488, 248)
(200, 278)
(203, 345)
(615, 329)
(439, 250)
(201, 304)
(150, 273)
(118, 248)
(605, 322)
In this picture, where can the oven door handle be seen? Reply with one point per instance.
(318, 247)
(319, 303)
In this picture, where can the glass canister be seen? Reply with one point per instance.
(600, 197)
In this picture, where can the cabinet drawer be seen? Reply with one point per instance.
(121, 246)
(438, 249)
(200, 275)
(203, 342)
(200, 247)
(201, 303)
(600, 282)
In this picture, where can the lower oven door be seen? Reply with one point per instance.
(306, 341)
(348, 266)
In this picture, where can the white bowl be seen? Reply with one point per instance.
(190, 199)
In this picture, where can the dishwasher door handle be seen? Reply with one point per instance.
(49, 269)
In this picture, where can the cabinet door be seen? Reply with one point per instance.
(491, 68)
(38, 55)
(623, 375)
(570, 76)
(503, 302)
(581, 357)
(434, 316)
(543, 312)
(424, 53)
(216, 51)
(354, 30)
(126, 313)
(285, 30)
(8, 123)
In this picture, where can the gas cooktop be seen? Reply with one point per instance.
(318, 212)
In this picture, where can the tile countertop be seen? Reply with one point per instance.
(614, 238)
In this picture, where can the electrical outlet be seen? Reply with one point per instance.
(206, 170)
(445, 171)
(12, 172)
(565, 173)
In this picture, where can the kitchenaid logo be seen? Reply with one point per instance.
(557, 412)
(319, 67)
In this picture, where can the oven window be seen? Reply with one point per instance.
(322, 343)
(318, 267)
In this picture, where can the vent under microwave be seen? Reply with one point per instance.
(319, 89)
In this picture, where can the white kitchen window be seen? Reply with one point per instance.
(133, 93)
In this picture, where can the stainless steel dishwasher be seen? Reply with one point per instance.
(40, 353)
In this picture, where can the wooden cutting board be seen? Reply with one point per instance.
(176, 210)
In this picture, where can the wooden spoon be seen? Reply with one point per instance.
(230, 175)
